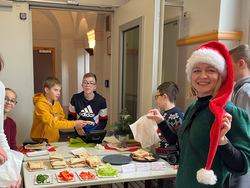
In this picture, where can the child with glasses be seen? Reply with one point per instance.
(9, 124)
(88, 105)
(48, 114)
(165, 97)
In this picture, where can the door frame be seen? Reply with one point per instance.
(136, 22)
(53, 55)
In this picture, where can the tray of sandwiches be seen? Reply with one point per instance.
(57, 161)
(35, 165)
(142, 155)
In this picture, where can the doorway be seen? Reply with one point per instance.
(170, 50)
(130, 71)
(131, 67)
(43, 66)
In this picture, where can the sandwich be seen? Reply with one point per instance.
(140, 153)
(59, 164)
(77, 162)
(36, 146)
(94, 161)
(56, 157)
(90, 122)
(57, 161)
(83, 155)
(35, 165)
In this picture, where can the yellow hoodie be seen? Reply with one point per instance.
(48, 119)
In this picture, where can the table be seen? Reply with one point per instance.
(66, 152)
(29, 177)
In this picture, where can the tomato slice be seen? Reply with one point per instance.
(87, 175)
(66, 175)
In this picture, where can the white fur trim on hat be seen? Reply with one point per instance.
(206, 177)
(209, 56)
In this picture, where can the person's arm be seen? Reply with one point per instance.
(232, 157)
(243, 99)
(13, 145)
(71, 111)
(167, 131)
(103, 116)
(236, 153)
(42, 112)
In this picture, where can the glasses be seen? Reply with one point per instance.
(12, 102)
(89, 83)
(156, 96)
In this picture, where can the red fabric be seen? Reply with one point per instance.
(109, 148)
(219, 101)
(27, 151)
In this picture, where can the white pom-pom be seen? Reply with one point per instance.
(206, 177)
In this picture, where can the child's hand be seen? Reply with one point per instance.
(176, 167)
(3, 156)
(79, 124)
(80, 132)
(155, 114)
(157, 145)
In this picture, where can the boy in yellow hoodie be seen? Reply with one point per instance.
(48, 114)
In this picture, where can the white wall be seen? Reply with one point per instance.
(230, 15)
(245, 21)
(204, 16)
(16, 48)
(69, 71)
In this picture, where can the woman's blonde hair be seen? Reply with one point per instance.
(192, 91)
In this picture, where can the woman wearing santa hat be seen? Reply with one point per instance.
(214, 136)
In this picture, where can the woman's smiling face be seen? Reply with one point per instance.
(204, 79)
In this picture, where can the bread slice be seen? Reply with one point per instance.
(149, 158)
(35, 165)
(94, 161)
(56, 157)
(90, 122)
(36, 146)
(139, 158)
(76, 160)
(140, 153)
(58, 163)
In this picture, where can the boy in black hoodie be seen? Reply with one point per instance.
(89, 106)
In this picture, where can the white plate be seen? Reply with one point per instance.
(91, 171)
(50, 178)
(61, 180)
(79, 150)
(37, 153)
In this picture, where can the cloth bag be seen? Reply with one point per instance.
(10, 170)
(145, 131)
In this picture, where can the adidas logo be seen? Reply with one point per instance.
(87, 112)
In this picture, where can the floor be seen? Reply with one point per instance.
(140, 184)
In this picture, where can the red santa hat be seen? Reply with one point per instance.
(215, 54)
